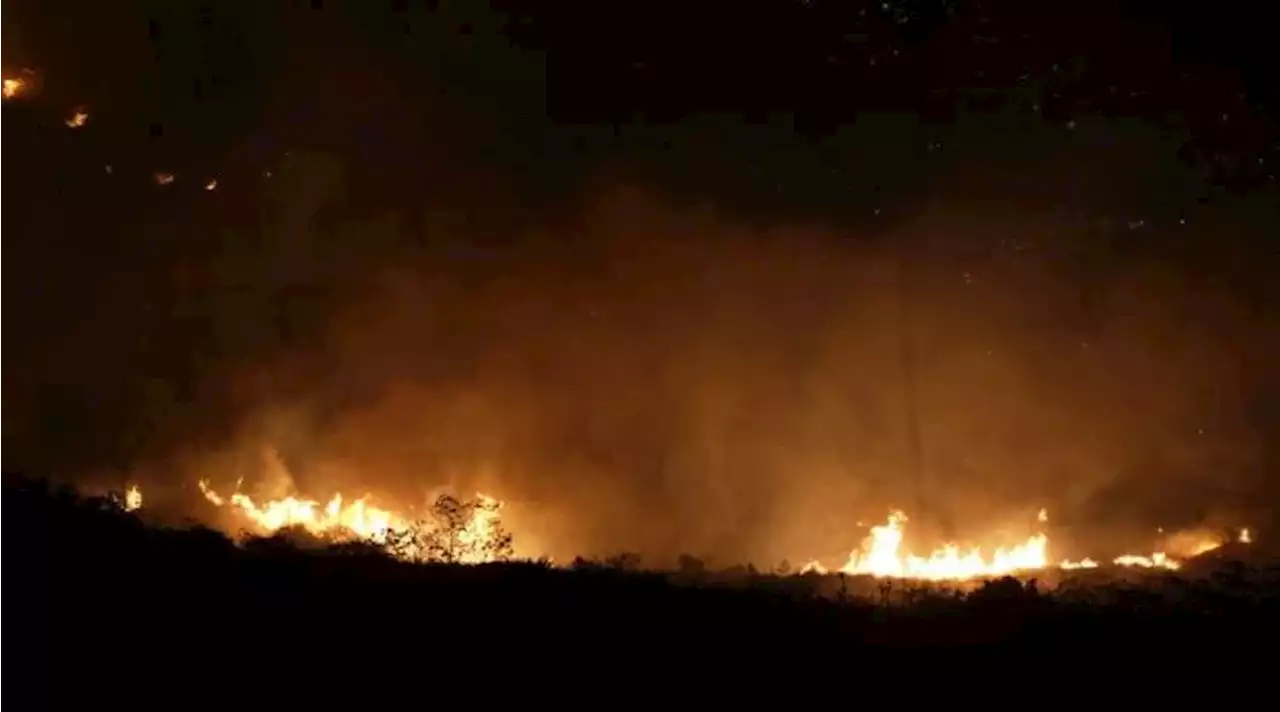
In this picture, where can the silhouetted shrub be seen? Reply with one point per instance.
(453, 533)
(95, 576)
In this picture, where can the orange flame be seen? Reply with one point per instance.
(132, 498)
(358, 520)
(357, 517)
(14, 87)
(881, 556)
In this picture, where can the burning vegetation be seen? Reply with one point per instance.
(453, 531)
(458, 531)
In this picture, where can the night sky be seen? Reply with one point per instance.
(653, 272)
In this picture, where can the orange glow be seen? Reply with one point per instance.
(881, 555)
(358, 520)
(356, 517)
(132, 498)
(1085, 563)
(1158, 560)
(77, 119)
(14, 87)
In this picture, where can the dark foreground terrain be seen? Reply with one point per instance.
(98, 606)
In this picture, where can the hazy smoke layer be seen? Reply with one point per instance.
(455, 302)
(671, 381)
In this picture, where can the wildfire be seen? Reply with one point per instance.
(358, 520)
(480, 530)
(357, 517)
(881, 555)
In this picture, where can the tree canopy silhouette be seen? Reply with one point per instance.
(455, 531)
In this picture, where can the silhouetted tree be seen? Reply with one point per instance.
(455, 532)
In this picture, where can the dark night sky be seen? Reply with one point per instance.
(637, 257)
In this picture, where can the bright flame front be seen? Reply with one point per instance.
(357, 517)
(359, 520)
(882, 555)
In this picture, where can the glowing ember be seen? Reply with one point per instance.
(21, 85)
(77, 119)
(211, 184)
(132, 498)
(1085, 563)
(15, 87)
(1158, 560)
(163, 178)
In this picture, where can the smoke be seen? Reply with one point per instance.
(666, 378)
(673, 380)
(630, 369)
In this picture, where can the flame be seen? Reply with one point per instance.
(1085, 563)
(14, 87)
(880, 556)
(212, 184)
(1158, 560)
(132, 498)
(481, 527)
(163, 178)
(77, 119)
(358, 520)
